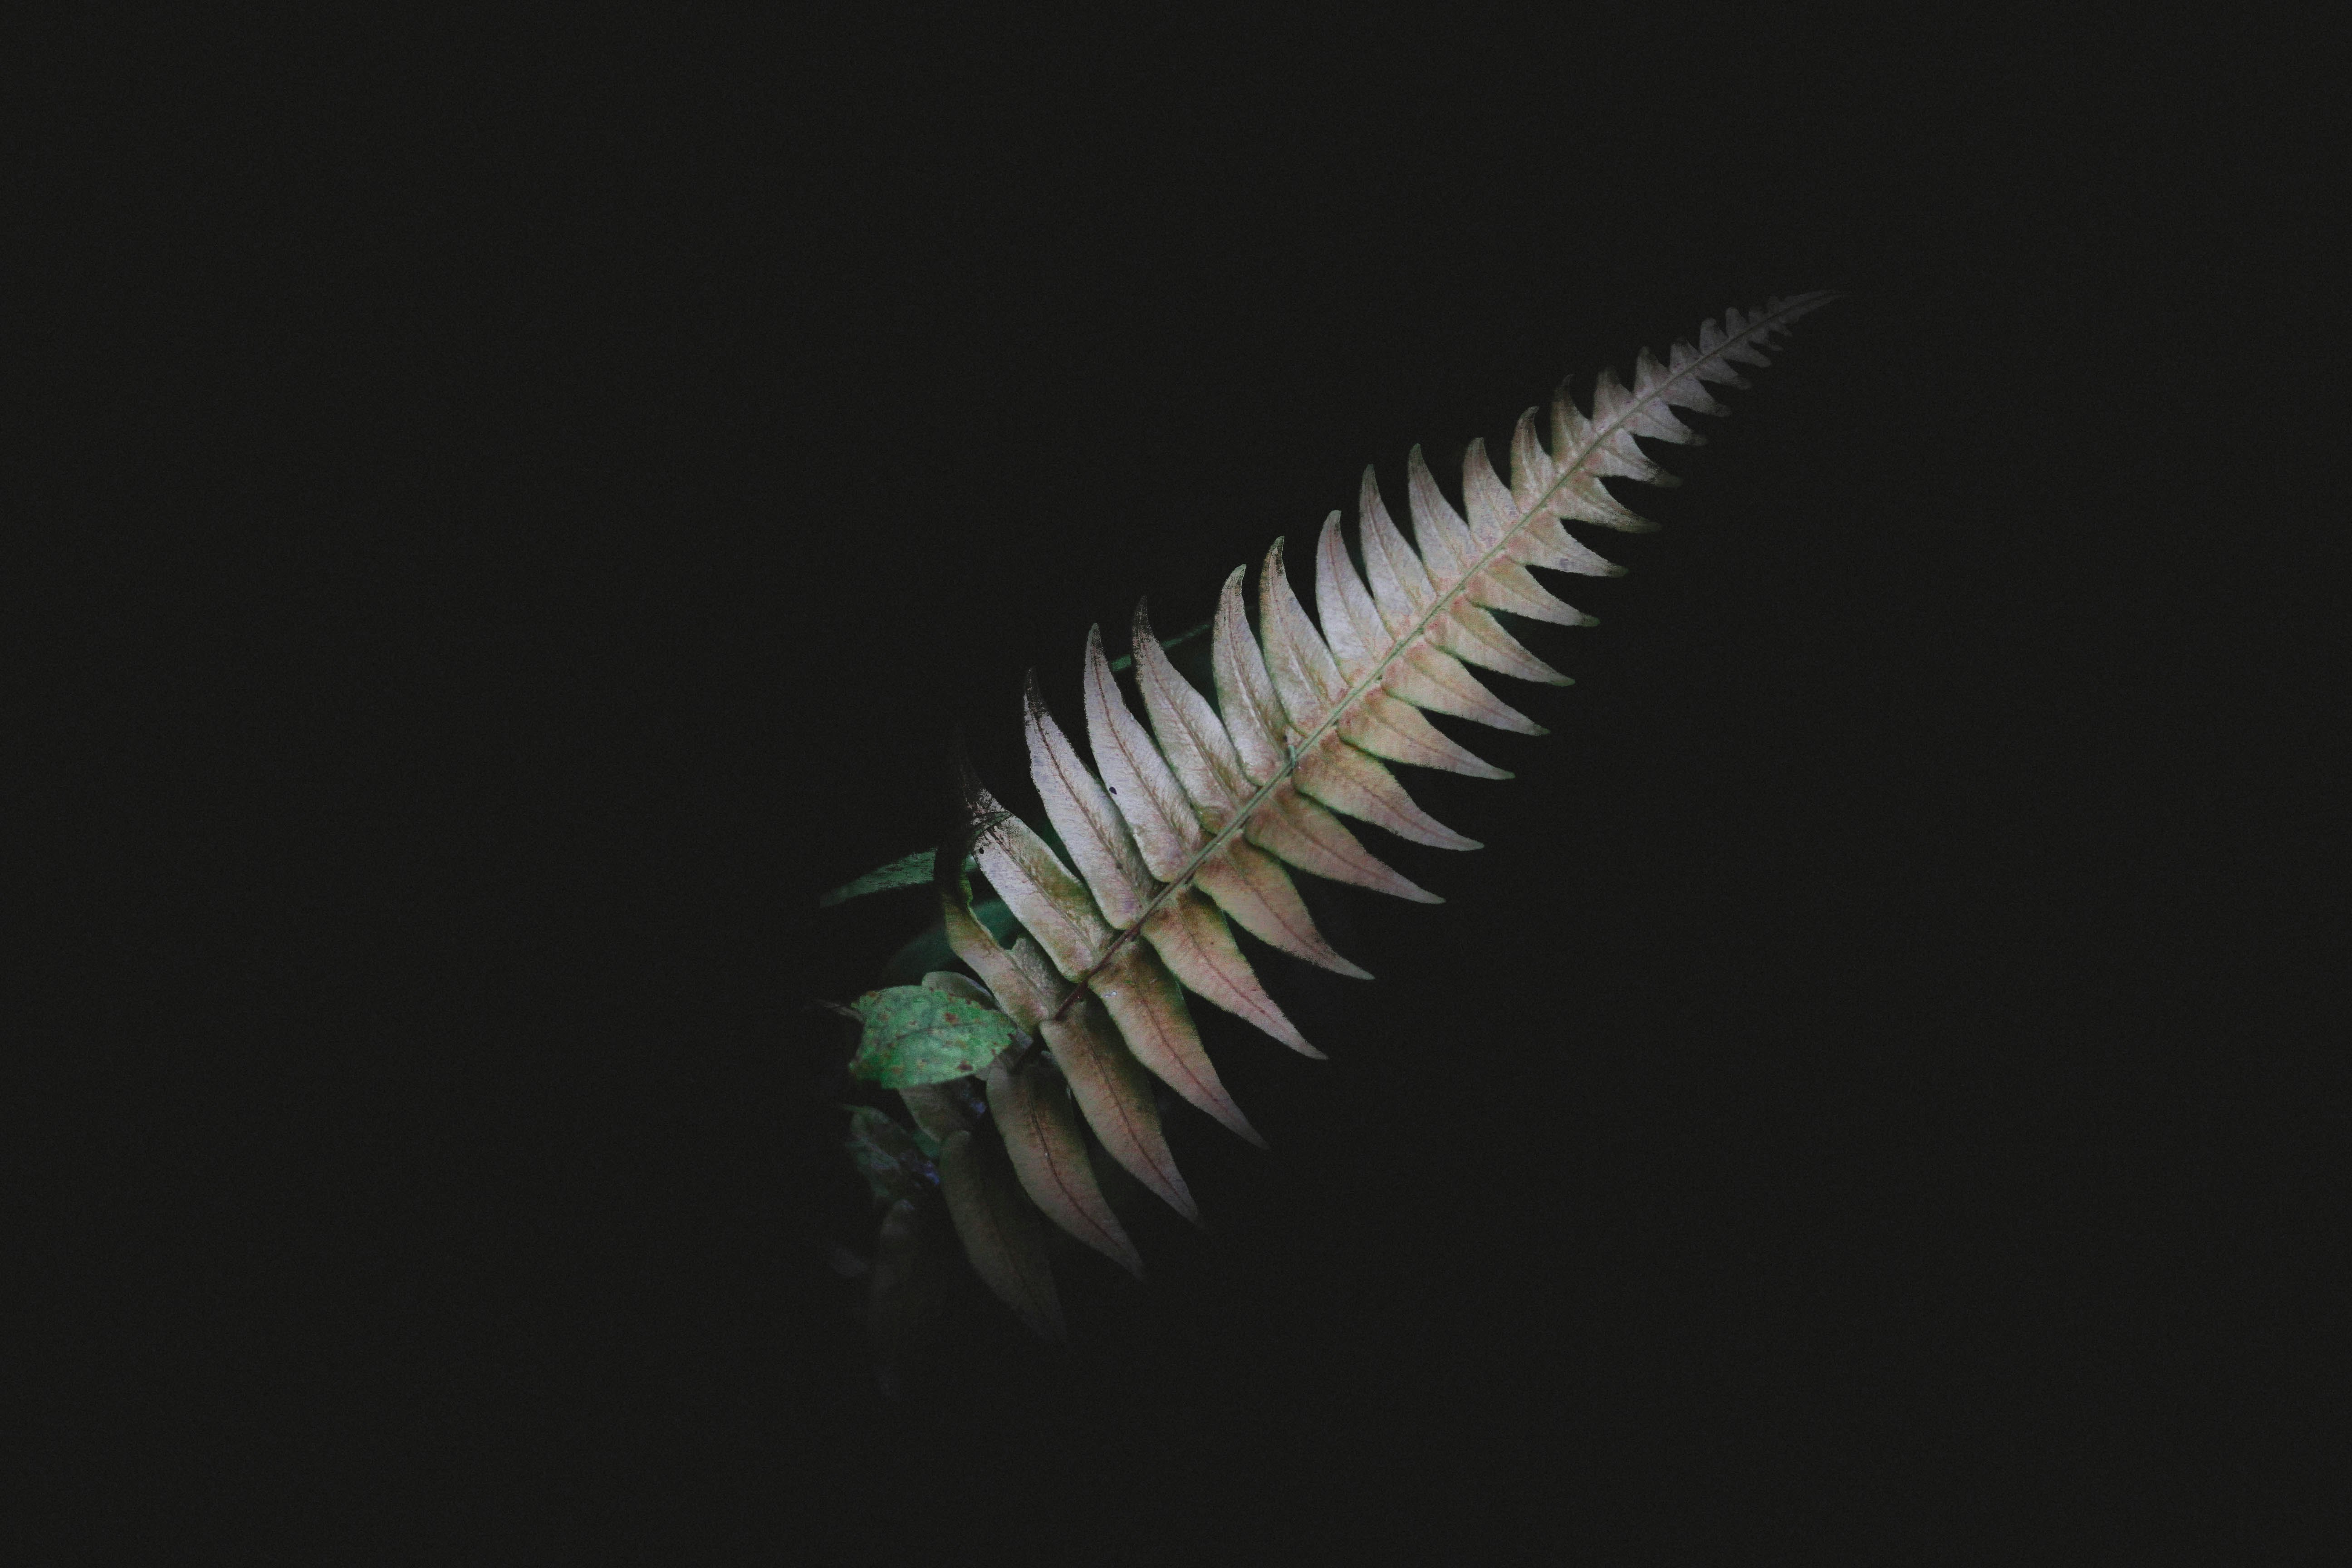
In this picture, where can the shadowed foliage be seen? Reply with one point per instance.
(1192, 816)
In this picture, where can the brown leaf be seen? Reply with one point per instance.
(1114, 1093)
(1140, 780)
(1146, 1003)
(972, 942)
(1298, 832)
(1431, 678)
(1044, 895)
(1033, 1111)
(1350, 780)
(1246, 701)
(1192, 938)
(1386, 727)
(1191, 735)
(935, 1110)
(1251, 886)
(1082, 812)
(999, 1230)
(1306, 678)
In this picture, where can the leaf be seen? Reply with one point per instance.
(1198, 819)
(1112, 1091)
(1166, 828)
(1291, 828)
(906, 871)
(1252, 887)
(1082, 812)
(1115, 1094)
(887, 1155)
(1188, 731)
(1193, 940)
(939, 1108)
(998, 1231)
(953, 985)
(1033, 1112)
(1148, 1004)
(1018, 977)
(1043, 893)
(918, 1035)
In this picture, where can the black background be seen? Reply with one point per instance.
(544, 494)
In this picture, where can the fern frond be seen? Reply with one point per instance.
(1192, 823)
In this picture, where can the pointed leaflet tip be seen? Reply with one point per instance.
(1193, 939)
(1251, 712)
(1353, 622)
(1080, 811)
(1251, 886)
(1114, 1093)
(1394, 730)
(1306, 680)
(1049, 1156)
(1398, 578)
(1165, 828)
(1044, 895)
(1354, 782)
(998, 1231)
(1148, 1005)
(1298, 832)
(1192, 736)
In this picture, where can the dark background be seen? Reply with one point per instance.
(542, 498)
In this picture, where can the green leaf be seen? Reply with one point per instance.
(916, 1034)
(887, 1155)
(907, 871)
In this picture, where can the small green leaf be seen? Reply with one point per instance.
(914, 1034)
(906, 871)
